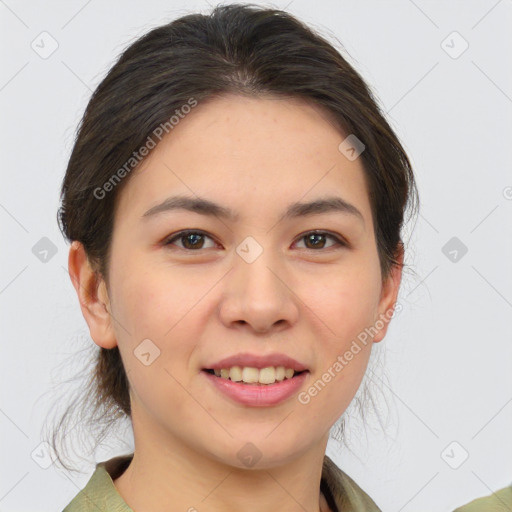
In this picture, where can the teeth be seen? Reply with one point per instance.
(267, 375)
(250, 375)
(235, 374)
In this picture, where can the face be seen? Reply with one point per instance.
(259, 283)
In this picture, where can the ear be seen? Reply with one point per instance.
(389, 295)
(92, 295)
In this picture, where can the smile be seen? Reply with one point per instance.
(256, 393)
(251, 375)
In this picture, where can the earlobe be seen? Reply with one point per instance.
(389, 296)
(92, 295)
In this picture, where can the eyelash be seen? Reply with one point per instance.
(182, 234)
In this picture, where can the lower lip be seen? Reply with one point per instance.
(255, 395)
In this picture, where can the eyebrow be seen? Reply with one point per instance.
(205, 207)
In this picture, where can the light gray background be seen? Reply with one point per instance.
(448, 353)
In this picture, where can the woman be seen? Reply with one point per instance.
(235, 200)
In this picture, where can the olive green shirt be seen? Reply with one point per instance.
(341, 492)
(499, 501)
(100, 494)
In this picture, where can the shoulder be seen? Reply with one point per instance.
(499, 501)
(100, 493)
(345, 492)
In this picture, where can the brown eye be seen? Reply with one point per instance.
(191, 240)
(316, 240)
(194, 240)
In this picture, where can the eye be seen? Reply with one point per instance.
(317, 239)
(192, 239)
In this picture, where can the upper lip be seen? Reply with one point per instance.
(257, 361)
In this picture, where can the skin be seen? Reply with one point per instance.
(254, 156)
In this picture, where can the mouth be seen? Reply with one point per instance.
(255, 376)
(256, 387)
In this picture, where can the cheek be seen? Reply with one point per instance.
(166, 307)
(344, 307)
(344, 302)
(161, 338)
(149, 303)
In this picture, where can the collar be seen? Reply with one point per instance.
(340, 491)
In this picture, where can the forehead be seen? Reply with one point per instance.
(250, 154)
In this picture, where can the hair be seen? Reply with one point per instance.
(236, 49)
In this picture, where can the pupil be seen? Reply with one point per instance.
(192, 238)
(314, 238)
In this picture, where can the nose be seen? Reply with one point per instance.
(257, 295)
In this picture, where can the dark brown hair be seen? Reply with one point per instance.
(237, 49)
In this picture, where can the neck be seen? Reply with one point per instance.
(168, 472)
